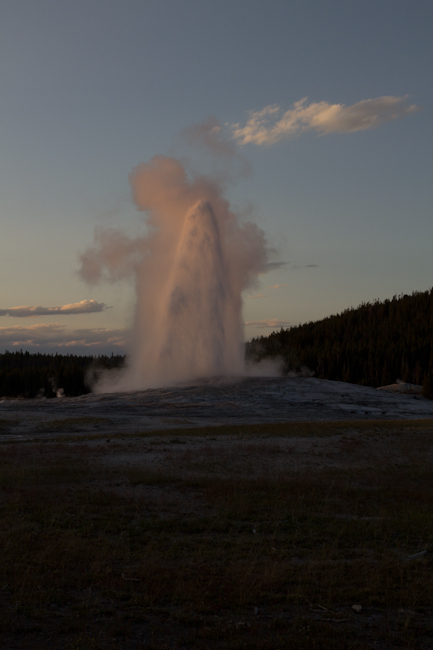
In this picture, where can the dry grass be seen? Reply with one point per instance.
(299, 429)
(99, 556)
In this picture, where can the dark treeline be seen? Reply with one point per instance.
(373, 345)
(46, 375)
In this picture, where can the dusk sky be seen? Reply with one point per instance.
(325, 106)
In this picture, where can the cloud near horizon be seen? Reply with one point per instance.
(83, 307)
(273, 323)
(54, 335)
(268, 126)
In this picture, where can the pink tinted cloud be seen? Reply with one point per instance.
(270, 125)
(54, 335)
(83, 307)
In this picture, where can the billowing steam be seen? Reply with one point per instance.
(190, 270)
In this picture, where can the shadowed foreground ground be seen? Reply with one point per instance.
(251, 536)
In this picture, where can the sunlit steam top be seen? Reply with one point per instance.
(190, 271)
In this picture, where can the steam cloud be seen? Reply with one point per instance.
(190, 270)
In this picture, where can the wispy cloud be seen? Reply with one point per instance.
(274, 266)
(211, 138)
(56, 336)
(270, 125)
(83, 307)
(278, 286)
(260, 295)
(209, 134)
(270, 323)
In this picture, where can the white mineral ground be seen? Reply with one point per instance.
(208, 403)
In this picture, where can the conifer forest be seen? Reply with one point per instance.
(373, 345)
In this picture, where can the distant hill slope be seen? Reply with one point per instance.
(372, 345)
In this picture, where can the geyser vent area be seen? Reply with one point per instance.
(189, 270)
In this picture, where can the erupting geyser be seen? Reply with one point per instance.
(190, 270)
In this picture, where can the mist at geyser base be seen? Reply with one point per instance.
(190, 269)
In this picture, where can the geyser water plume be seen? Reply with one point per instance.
(190, 270)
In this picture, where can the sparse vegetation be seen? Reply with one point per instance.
(72, 424)
(219, 550)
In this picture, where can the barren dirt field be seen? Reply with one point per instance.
(274, 534)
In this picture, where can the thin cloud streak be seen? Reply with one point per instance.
(210, 137)
(83, 307)
(55, 336)
(274, 266)
(208, 134)
(272, 323)
(268, 126)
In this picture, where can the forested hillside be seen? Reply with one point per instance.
(373, 345)
(46, 375)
